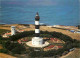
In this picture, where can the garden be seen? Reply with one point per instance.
(13, 46)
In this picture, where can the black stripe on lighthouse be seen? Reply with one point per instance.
(36, 26)
(37, 18)
(37, 34)
(37, 31)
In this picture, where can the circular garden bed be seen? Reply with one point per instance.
(17, 48)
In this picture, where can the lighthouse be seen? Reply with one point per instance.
(37, 31)
(37, 40)
(13, 31)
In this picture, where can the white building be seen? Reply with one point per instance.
(37, 41)
(13, 30)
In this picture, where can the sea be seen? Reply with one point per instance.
(17, 12)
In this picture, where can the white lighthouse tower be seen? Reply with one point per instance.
(37, 40)
(13, 30)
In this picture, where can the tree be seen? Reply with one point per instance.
(4, 51)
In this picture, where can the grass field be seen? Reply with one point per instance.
(73, 54)
(2, 55)
(42, 28)
(3, 31)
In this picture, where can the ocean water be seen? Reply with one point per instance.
(19, 12)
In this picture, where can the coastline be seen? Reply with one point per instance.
(40, 23)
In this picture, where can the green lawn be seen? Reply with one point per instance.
(61, 44)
